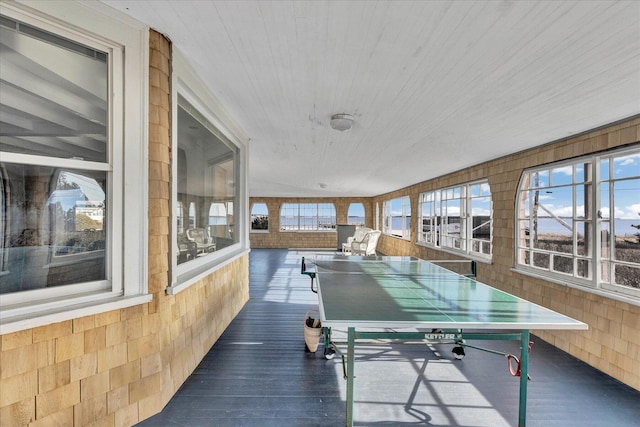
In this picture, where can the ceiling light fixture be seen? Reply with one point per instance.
(341, 122)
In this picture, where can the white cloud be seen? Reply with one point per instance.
(567, 170)
(628, 160)
(629, 212)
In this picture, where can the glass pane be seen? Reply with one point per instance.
(557, 202)
(553, 232)
(55, 226)
(525, 204)
(605, 272)
(406, 232)
(524, 233)
(289, 216)
(627, 275)
(604, 170)
(452, 209)
(583, 171)
(562, 176)
(605, 240)
(627, 240)
(603, 211)
(355, 214)
(563, 264)
(485, 189)
(259, 217)
(626, 166)
(580, 238)
(584, 268)
(541, 260)
(626, 222)
(481, 218)
(207, 170)
(326, 216)
(308, 219)
(540, 179)
(583, 202)
(54, 98)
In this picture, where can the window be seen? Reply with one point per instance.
(61, 188)
(457, 219)
(207, 178)
(397, 218)
(259, 217)
(307, 217)
(578, 221)
(355, 214)
(210, 169)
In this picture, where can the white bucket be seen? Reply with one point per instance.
(312, 331)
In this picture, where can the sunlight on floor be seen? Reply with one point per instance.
(440, 394)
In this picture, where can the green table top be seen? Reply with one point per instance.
(405, 292)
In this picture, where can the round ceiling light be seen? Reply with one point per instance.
(341, 122)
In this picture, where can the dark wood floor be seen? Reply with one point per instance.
(258, 374)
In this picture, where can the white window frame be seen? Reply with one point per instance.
(126, 42)
(440, 235)
(320, 213)
(593, 224)
(388, 215)
(186, 82)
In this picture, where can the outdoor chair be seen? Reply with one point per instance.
(358, 236)
(368, 245)
(187, 250)
(204, 242)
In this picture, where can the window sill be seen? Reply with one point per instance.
(395, 236)
(192, 276)
(329, 230)
(471, 256)
(21, 322)
(617, 296)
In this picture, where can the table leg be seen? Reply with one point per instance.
(351, 335)
(524, 377)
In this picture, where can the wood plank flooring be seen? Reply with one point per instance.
(258, 374)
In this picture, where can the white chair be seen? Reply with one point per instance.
(358, 236)
(204, 242)
(368, 245)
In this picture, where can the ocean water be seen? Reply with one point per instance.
(623, 227)
(311, 222)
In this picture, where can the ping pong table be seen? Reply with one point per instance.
(405, 298)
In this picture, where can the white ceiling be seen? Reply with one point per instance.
(435, 86)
